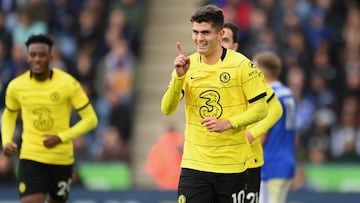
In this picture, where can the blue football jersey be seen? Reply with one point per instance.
(279, 146)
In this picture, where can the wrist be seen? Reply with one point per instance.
(227, 125)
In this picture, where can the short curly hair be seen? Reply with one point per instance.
(39, 38)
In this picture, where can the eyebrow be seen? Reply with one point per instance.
(202, 31)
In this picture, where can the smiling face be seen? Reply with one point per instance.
(206, 38)
(39, 58)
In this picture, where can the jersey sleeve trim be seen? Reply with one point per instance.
(257, 97)
(270, 98)
(11, 110)
(83, 107)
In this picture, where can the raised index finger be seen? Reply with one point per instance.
(180, 52)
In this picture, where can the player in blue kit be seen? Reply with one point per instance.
(279, 143)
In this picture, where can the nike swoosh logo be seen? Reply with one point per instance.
(192, 78)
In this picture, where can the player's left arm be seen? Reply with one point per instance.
(87, 114)
(256, 111)
(87, 123)
(275, 111)
(255, 92)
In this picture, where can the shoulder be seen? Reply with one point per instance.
(60, 73)
(65, 79)
(234, 55)
(237, 59)
(63, 76)
(20, 79)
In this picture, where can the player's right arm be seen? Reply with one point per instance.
(88, 118)
(7, 131)
(174, 93)
(8, 122)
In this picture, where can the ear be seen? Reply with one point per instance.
(236, 46)
(221, 34)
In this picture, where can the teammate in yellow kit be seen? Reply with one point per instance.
(45, 96)
(255, 131)
(223, 94)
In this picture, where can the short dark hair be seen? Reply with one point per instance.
(210, 14)
(39, 38)
(234, 29)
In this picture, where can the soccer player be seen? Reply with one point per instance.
(230, 38)
(45, 96)
(279, 143)
(223, 94)
(255, 131)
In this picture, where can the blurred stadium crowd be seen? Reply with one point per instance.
(98, 42)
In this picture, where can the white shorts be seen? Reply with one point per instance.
(274, 190)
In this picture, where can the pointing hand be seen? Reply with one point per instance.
(181, 62)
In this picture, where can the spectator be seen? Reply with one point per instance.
(321, 95)
(59, 61)
(7, 72)
(113, 146)
(319, 142)
(305, 109)
(18, 59)
(89, 32)
(164, 158)
(5, 35)
(114, 82)
(345, 136)
(27, 25)
(295, 52)
(133, 12)
(317, 29)
(118, 27)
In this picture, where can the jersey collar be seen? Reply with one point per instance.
(51, 74)
(224, 50)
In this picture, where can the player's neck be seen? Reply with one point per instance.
(42, 76)
(213, 57)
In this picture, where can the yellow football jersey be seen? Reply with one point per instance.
(223, 91)
(45, 109)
